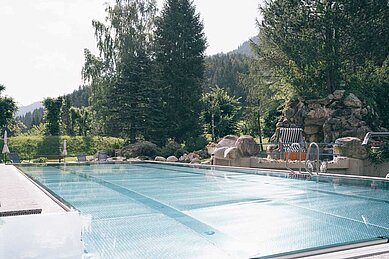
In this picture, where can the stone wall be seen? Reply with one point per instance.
(340, 114)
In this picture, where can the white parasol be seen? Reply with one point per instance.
(5, 147)
(65, 152)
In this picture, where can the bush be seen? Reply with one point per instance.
(380, 153)
(203, 153)
(40, 160)
(179, 152)
(196, 143)
(143, 148)
(170, 148)
(29, 146)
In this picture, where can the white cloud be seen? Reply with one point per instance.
(54, 7)
(6, 10)
(59, 29)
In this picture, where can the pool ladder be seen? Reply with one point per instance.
(321, 167)
(309, 165)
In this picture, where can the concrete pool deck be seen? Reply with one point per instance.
(19, 194)
(33, 224)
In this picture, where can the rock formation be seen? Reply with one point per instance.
(227, 141)
(340, 114)
(233, 147)
(350, 147)
(247, 146)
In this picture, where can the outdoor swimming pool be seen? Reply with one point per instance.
(147, 210)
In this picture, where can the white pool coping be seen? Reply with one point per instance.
(53, 233)
(17, 192)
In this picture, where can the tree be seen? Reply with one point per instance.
(180, 47)
(265, 93)
(80, 97)
(52, 115)
(220, 113)
(124, 94)
(65, 116)
(80, 121)
(225, 71)
(316, 46)
(7, 109)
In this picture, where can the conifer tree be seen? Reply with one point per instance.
(123, 91)
(317, 46)
(180, 47)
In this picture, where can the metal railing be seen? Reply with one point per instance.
(374, 134)
(309, 166)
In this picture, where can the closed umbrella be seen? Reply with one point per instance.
(65, 152)
(5, 147)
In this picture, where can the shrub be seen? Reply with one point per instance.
(40, 160)
(179, 152)
(196, 143)
(29, 146)
(143, 148)
(379, 154)
(170, 148)
(203, 153)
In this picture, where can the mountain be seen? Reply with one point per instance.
(245, 48)
(22, 110)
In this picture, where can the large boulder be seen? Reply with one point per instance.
(227, 141)
(143, 158)
(160, 159)
(184, 158)
(219, 152)
(232, 153)
(317, 116)
(172, 159)
(338, 94)
(247, 146)
(352, 101)
(195, 161)
(192, 156)
(350, 147)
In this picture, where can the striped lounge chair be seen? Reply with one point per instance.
(286, 138)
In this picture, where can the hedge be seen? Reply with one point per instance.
(29, 146)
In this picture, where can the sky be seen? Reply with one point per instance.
(42, 42)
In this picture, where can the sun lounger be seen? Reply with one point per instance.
(14, 157)
(102, 156)
(81, 158)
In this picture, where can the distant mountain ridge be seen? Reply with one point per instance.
(245, 48)
(22, 110)
(78, 98)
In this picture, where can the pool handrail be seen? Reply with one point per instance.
(372, 134)
(317, 158)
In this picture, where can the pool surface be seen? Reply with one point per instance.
(147, 210)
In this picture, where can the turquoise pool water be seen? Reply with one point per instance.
(162, 211)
